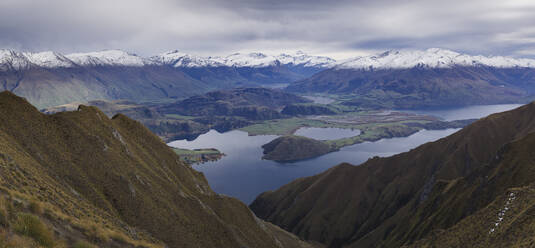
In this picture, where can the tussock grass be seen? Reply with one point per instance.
(83, 244)
(36, 208)
(4, 221)
(31, 226)
(15, 241)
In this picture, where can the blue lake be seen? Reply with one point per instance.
(244, 175)
(470, 112)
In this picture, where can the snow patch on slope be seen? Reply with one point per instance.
(502, 212)
(49, 59)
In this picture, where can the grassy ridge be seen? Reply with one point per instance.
(113, 183)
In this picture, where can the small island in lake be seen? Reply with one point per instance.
(293, 148)
(198, 156)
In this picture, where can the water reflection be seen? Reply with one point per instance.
(243, 174)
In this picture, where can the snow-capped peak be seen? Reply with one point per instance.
(180, 59)
(433, 58)
(247, 60)
(12, 60)
(263, 60)
(109, 57)
(301, 58)
(49, 59)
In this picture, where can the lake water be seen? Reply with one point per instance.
(470, 112)
(244, 175)
(330, 133)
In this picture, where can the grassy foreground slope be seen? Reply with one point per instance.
(396, 201)
(112, 183)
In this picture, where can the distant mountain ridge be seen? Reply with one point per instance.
(50, 79)
(434, 78)
(392, 79)
(393, 59)
(11, 59)
(431, 58)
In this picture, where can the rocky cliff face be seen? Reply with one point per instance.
(444, 185)
(113, 183)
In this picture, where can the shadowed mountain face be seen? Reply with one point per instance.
(50, 87)
(47, 87)
(98, 173)
(421, 87)
(448, 184)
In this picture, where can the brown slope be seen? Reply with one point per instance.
(503, 194)
(114, 171)
(361, 204)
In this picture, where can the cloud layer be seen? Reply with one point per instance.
(337, 28)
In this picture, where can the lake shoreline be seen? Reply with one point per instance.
(243, 174)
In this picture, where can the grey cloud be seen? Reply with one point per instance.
(224, 26)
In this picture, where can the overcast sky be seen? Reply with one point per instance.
(218, 27)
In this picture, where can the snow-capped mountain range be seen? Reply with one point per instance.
(433, 58)
(179, 59)
(10, 59)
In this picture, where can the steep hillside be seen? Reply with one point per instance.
(419, 86)
(112, 183)
(389, 202)
(501, 192)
